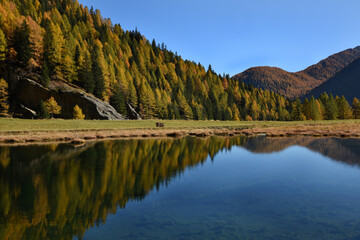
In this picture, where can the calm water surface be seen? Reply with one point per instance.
(190, 188)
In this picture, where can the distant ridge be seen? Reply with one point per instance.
(346, 82)
(299, 83)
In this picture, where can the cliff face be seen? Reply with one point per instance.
(29, 94)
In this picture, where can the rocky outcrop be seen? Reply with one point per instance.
(30, 93)
(132, 114)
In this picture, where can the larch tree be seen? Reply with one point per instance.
(185, 110)
(52, 107)
(100, 71)
(331, 109)
(3, 46)
(296, 113)
(78, 113)
(356, 108)
(53, 48)
(344, 109)
(4, 96)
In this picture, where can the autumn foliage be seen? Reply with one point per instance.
(62, 40)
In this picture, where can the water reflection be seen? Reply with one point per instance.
(59, 191)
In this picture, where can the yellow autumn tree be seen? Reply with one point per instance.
(4, 95)
(78, 114)
(52, 107)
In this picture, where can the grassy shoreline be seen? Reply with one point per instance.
(31, 131)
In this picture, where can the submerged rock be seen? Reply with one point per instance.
(30, 93)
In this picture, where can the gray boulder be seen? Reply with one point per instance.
(30, 93)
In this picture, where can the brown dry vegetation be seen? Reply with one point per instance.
(145, 129)
(317, 130)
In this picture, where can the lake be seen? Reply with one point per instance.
(188, 188)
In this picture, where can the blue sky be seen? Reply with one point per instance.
(233, 35)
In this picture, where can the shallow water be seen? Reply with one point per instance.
(190, 188)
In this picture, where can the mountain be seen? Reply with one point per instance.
(62, 41)
(346, 82)
(298, 83)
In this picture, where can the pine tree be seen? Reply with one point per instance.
(53, 48)
(100, 71)
(23, 45)
(315, 109)
(4, 96)
(117, 100)
(254, 110)
(85, 74)
(43, 113)
(331, 109)
(296, 113)
(228, 114)
(133, 99)
(306, 109)
(78, 114)
(3, 47)
(52, 107)
(185, 110)
(324, 98)
(235, 113)
(147, 102)
(45, 76)
(356, 108)
(344, 109)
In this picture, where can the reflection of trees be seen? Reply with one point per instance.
(57, 191)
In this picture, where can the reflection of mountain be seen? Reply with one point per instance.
(57, 191)
(344, 150)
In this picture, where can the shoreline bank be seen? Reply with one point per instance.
(332, 129)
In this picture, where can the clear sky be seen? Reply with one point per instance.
(233, 35)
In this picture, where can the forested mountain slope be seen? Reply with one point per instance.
(299, 83)
(61, 40)
(346, 82)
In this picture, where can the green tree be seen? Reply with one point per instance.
(331, 109)
(296, 113)
(43, 113)
(254, 110)
(147, 102)
(117, 100)
(306, 109)
(4, 96)
(53, 48)
(100, 71)
(3, 46)
(344, 109)
(23, 45)
(185, 110)
(356, 108)
(85, 74)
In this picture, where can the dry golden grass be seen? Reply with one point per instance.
(30, 131)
